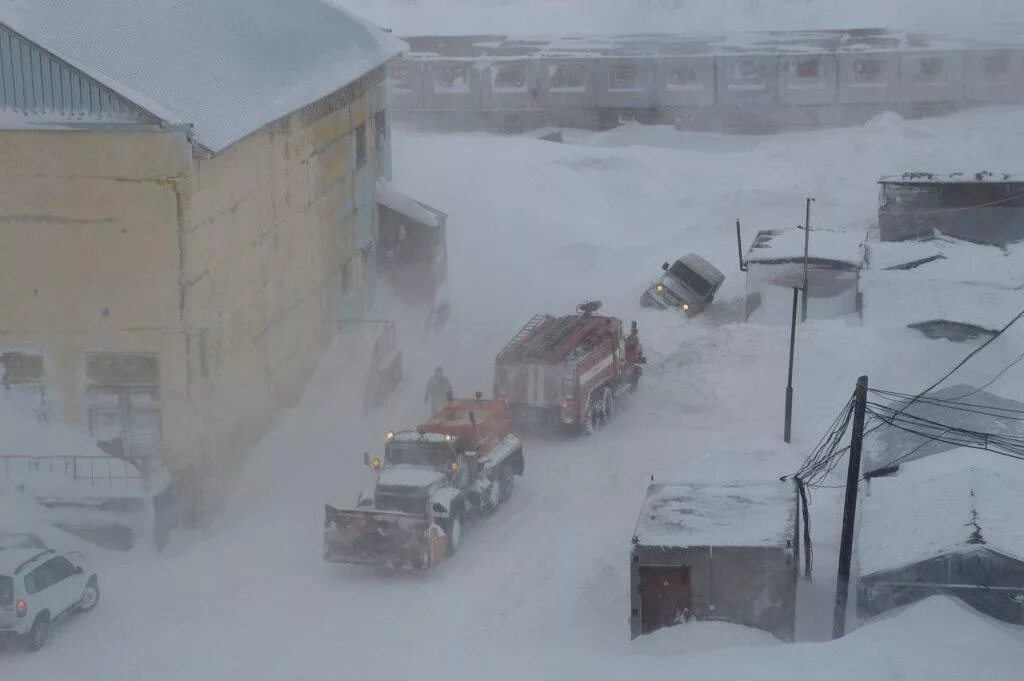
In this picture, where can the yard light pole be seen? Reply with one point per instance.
(807, 243)
(787, 430)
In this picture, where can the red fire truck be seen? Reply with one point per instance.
(568, 370)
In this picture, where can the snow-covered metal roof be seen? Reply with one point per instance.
(950, 178)
(772, 246)
(717, 514)
(228, 68)
(957, 501)
(391, 198)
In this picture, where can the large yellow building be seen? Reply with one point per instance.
(187, 205)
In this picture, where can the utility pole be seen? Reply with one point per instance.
(788, 429)
(860, 399)
(807, 243)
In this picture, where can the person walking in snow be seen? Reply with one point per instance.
(439, 391)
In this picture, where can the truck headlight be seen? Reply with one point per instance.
(686, 306)
(659, 288)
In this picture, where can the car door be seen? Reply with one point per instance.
(40, 591)
(66, 588)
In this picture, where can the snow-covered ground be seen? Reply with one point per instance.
(540, 590)
(534, 17)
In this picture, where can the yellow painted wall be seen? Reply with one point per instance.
(269, 223)
(230, 267)
(89, 255)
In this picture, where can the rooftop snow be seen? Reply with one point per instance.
(903, 297)
(390, 197)
(787, 245)
(956, 501)
(717, 514)
(950, 178)
(227, 68)
(969, 413)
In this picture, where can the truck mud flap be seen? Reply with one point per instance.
(385, 538)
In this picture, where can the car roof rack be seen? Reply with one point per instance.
(33, 558)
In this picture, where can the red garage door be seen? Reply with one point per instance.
(664, 596)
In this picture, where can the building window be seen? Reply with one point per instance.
(400, 78)
(682, 75)
(451, 78)
(510, 76)
(361, 145)
(868, 70)
(930, 68)
(567, 77)
(123, 403)
(807, 68)
(622, 77)
(996, 64)
(747, 70)
(21, 380)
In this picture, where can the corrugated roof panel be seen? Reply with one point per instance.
(228, 68)
(36, 85)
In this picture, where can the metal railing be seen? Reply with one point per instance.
(97, 470)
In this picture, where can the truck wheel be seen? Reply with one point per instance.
(453, 528)
(506, 485)
(634, 383)
(607, 406)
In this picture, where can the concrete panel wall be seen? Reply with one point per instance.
(932, 76)
(994, 76)
(405, 77)
(272, 247)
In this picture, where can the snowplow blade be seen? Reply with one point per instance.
(385, 538)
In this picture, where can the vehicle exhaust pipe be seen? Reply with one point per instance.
(739, 247)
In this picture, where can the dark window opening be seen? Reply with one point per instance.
(567, 76)
(996, 64)
(510, 76)
(683, 75)
(930, 68)
(123, 404)
(868, 70)
(361, 145)
(380, 128)
(807, 68)
(449, 76)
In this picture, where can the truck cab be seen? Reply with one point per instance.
(689, 284)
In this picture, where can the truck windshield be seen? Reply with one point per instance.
(685, 275)
(434, 455)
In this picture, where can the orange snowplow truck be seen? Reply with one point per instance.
(462, 462)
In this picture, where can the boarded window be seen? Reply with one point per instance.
(807, 68)
(510, 76)
(868, 70)
(123, 402)
(361, 145)
(682, 75)
(623, 77)
(996, 64)
(21, 379)
(567, 76)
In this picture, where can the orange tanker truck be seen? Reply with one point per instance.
(460, 463)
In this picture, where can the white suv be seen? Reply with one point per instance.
(36, 588)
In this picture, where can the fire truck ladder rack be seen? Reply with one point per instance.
(534, 322)
(551, 336)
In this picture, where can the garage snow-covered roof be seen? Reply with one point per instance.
(227, 67)
(957, 501)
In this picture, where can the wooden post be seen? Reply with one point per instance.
(860, 398)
